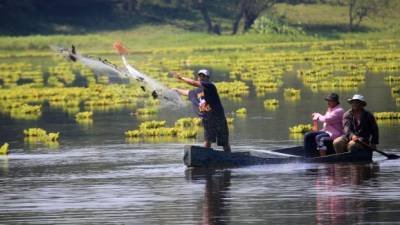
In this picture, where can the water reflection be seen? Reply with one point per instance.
(215, 206)
(4, 166)
(334, 184)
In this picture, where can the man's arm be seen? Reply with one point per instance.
(181, 91)
(189, 81)
(375, 131)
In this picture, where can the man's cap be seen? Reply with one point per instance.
(205, 72)
(357, 97)
(332, 97)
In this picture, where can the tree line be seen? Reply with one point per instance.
(241, 13)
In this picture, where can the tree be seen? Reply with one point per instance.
(250, 10)
(200, 5)
(359, 9)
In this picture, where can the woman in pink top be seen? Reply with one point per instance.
(332, 127)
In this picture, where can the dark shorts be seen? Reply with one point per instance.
(216, 130)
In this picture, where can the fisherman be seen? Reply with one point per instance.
(332, 127)
(360, 127)
(207, 105)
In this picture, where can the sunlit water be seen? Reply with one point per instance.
(95, 176)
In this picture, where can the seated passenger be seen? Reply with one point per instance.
(332, 127)
(359, 127)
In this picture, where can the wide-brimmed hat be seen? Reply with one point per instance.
(332, 97)
(205, 72)
(357, 97)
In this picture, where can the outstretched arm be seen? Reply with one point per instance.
(189, 81)
(181, 91)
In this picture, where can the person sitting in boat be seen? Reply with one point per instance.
(360, 128)
(332, 127)
(207, 105)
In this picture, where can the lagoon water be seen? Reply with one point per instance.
(95, 176)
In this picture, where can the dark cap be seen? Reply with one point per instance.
(332, 97)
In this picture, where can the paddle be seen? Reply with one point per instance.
(388, 156)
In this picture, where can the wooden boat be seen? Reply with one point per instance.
(196, 156)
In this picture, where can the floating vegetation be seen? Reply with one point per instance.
(84, 118)
(296, 136)
(301, 128)
(232, 89)
(396, 90)
(292, 93)
(152, 124)
(188, 122)
(387, 115)
(146, 111)
(271, 102)
(242, 112)
(321, 66)
(4, 149)
(38, 135)
(187, 133)
(184, 128)
(230, 120)
(26, 112)
(35, 132)
(392, 80)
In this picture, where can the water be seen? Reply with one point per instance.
(96, 177)
(147, 184)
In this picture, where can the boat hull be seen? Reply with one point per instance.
(196, 156)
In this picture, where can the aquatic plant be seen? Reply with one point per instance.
(291, 92)
(38, 135)
(187, 133)
(35, 132)
(396, 90)
(232, 89)
(387, 115)
(392, 80)
(146, 111)
(184, 128)
(271, 102)
(4, 149)
(188, 122)
(230, 120)
(133, 133)
(51, 137)
(25, 111)
(84, 115)
(152, 124)
(301, 128)
(241, 112)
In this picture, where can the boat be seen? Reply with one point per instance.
(201, 157)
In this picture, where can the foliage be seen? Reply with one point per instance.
(241, 111)
(301, 128)
(40, 136)
(267, 25)
(184, 128)
(359, 9)
(4, 149)
(387, 115)
(188, 122)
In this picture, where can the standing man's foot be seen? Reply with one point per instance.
(227, 149)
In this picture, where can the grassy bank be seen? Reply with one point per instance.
(320, 22)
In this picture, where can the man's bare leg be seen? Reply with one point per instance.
(227, 148)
